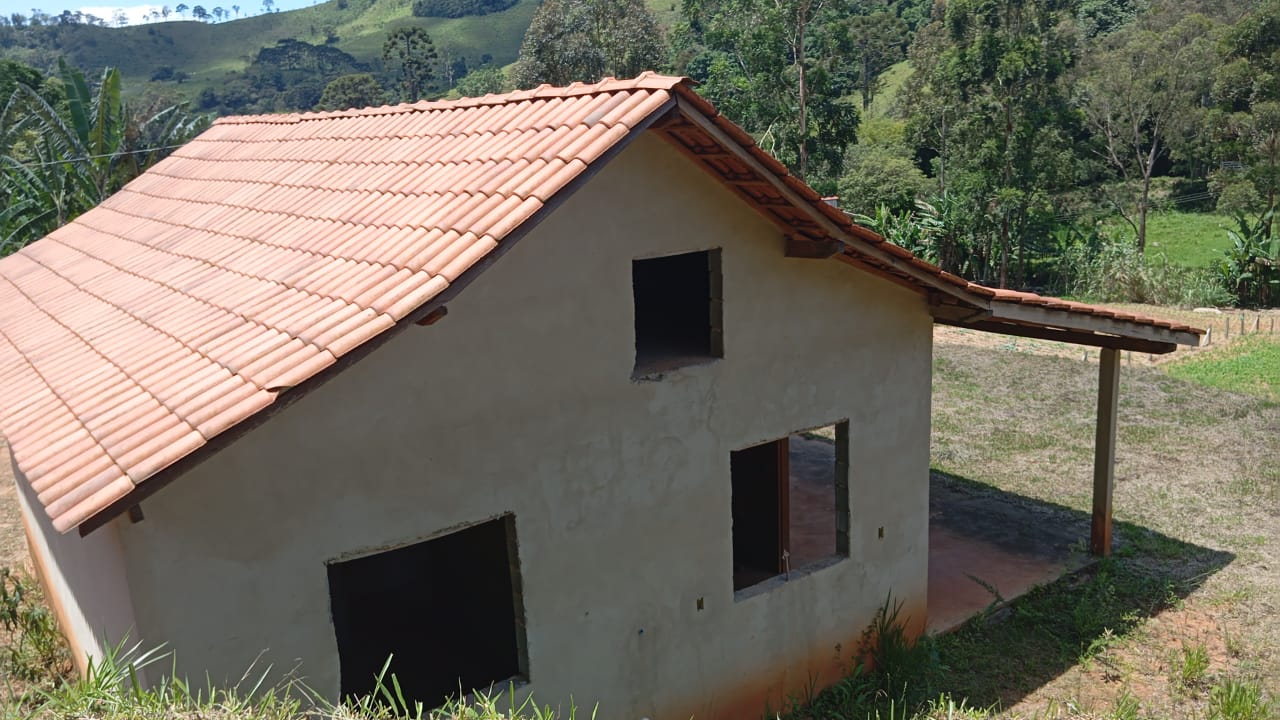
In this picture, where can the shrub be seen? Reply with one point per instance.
(1115, 272)
(35, 651)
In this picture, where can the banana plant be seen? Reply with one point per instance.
(58, 160)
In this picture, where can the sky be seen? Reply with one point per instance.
(137, 14)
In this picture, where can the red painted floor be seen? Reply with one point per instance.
(987, 547)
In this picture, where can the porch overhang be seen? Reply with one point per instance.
(1052, 319)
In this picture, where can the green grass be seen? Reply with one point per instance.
(1250, 365)
(1188, 239)
(894, 79)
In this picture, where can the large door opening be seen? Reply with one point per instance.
(447, 611)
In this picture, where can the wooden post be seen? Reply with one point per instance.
(1104, 458)
(1208, 335)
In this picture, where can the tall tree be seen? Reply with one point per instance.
(995, 77)
(877, 41)
(774, 66)
(586, 40)
(409, 54)
(1139, 89)
(1246, 93)
(352, 91)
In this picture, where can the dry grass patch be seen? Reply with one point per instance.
(1197, 484)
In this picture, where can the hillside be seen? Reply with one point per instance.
(207, 52)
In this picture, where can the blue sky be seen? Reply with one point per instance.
(136, 12)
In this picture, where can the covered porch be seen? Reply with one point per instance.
(987, 547)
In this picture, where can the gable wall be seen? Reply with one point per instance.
(520, 400)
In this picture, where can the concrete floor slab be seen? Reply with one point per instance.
(988, 546)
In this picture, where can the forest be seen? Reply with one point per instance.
(1029, 144)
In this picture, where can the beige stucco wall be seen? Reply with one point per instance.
(521, 401)
(84, 579)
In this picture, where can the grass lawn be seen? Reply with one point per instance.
(1187, 238)
(1250, 366)
(894, 78)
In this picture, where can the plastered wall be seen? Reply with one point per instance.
(84, 580)
(521, 400)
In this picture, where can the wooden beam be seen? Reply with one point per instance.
(868, 249)
(1039, 315)
(1104, 458)
(811, 249)
(1073, 337)
(956, 314)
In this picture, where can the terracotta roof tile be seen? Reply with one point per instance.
(269, 247)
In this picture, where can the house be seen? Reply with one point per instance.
(512, 387)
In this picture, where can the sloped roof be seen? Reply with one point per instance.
(270, 251)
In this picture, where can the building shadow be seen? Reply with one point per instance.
(1018, 599)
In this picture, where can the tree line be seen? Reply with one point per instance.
(1028, 144)
(1022, 127)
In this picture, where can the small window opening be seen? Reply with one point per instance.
(790, 504)
(678, 310)
(447, 611)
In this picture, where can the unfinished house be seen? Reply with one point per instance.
(572, 388)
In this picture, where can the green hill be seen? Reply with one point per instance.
(205, 52)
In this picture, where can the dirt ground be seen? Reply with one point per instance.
(13, 541)
(1198, 472)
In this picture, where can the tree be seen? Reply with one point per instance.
(218, 13)
(776, 66)
(198, 12)
(877, 41)
(483, 81)
(13, 74)
(119, 18)
(236, 9)
(1246, 117)
(411, 56)
(165, 12)
(182, 9)
(1139, 89)
(990, 94)
(587, 40)
(352, 91)
(268, 4)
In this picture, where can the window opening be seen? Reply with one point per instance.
(448, 611)
(790, 504)
(678, 310)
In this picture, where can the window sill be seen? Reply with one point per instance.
(778, 581)
(654, 369)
